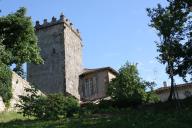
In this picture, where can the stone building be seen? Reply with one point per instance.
(93, 83)
(182, 91)
(62, 71)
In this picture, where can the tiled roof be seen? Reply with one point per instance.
(88, 71)
(179, 86)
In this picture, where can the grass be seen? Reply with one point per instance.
(162, 115)
(9, 116)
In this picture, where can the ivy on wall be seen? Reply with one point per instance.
(5, 84)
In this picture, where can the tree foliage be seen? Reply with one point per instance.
(18, 40)
(5, 84)
(52, 106)
(128, 88)
(173, 24)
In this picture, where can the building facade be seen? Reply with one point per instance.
(94, 82)
(182, 91)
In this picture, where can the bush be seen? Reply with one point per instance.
(88, 108)
(5, 84)
(29, 103)
(152, 97)
(52, 106)
(127, 88)
(105, 104)
(71, 106)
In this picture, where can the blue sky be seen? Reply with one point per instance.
(113, 31)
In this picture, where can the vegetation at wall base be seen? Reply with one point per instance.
(5, 84)
(158, 115)
(49, 107)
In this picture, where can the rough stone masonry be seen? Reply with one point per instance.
(61, 49)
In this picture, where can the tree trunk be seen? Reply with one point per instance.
(172, 89)
(171, 95)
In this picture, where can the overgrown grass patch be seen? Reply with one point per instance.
(162, 115)
(9, 116)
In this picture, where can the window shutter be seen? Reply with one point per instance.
(95, 90)
(83, 87)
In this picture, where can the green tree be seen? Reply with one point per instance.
(5, 84)
(171, 25)
(18, 39)
(127, 87)
(152, 97)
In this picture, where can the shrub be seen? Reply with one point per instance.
(52, 106)
(29, 103)
(105, 104)
(88, 108)
(127, 88)
(71, 106)
(152, 97)
(5, 84)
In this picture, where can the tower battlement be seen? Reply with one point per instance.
(54, 21)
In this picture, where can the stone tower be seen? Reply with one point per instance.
(61, 49)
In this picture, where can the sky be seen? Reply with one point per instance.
(113, 31)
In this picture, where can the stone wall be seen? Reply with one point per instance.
(18, 86)
(73, 61)
(180, 94)
(49, 76)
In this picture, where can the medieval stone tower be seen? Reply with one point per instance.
(61, 49)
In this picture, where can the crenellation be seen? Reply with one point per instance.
(54, 21)
(37, 23)
(77, 30)
(67, 21)
(62, 17)
(45, 22)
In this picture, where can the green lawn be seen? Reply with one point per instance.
(163, 115)
(9, 116)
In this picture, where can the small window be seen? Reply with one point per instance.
(54, 51)
(88, 89)
(17, 81)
